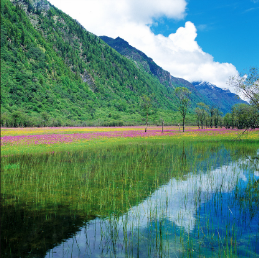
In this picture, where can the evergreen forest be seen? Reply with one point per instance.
(56, 73)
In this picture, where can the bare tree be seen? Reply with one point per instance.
(248, 85)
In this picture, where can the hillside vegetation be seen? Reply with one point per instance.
(211, 96)
(56, 73)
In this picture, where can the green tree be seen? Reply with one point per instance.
(211, 112)
(17, 118)
(233, 117)
(45, 117)
(183, 101)
(246, 116)
(6, 119)
(146, 105)
(227, 120)
(198, 112)
(217, 115)
(201, 113)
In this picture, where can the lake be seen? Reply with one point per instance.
(133, 200)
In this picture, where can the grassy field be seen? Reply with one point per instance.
(53, 180)
(43, 140)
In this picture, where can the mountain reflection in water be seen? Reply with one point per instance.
(205, 213)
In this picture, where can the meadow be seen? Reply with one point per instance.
(45, 139)
(121, 192)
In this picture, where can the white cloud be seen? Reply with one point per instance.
(179, 53)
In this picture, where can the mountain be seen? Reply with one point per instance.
(210, 94)
(55, 72)
(196, 96)
(142, 61)
(221, 98)
(146, 64)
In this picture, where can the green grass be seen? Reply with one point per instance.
(204, 137)
(45, 187)
(103, 171)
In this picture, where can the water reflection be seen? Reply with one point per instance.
(204, 214)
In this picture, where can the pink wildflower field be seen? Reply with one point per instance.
(50, 136)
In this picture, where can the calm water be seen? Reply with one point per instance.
(198, 216)
(200, 202)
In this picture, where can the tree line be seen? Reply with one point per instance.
(242, 116)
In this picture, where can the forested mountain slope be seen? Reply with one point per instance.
(222, 98)
(54, 70)
(146, 64)
(142, 61)
(212, 96)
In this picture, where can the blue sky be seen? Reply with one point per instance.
(228, 30)
(192, 39)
